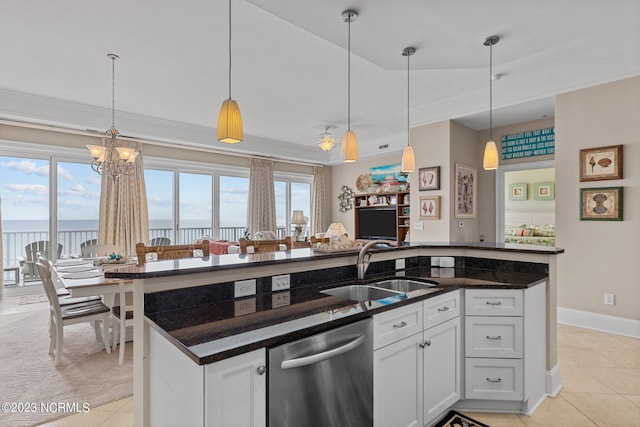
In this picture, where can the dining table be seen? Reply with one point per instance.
(81, 277)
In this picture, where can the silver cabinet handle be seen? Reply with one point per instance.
(498, 337)
(399, 325)
(319, 357)
(424, 344)
(494, 303)
(494, 380)
(445, 308)
(428, 343)
(261, 370)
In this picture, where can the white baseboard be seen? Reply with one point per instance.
(599, 322)
(552, 381)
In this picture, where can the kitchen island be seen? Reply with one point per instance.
(199, 292)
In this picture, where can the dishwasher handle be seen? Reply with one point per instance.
(319, 357)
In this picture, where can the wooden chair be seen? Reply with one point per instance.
(61, 316)
(32, 251)
(264, 245)
(315, 240)
(171, 251)
(160, 241)
(63, 295)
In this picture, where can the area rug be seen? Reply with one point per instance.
(456, 419)
(28, 375)
(32, 299)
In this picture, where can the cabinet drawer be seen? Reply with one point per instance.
(494, 302)
(441, 308)
(396, 324)
(494, 379)
(493, 336)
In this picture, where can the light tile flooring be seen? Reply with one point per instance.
(600, 374)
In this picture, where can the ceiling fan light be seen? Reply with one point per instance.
(408, 159)
(490, 159)
(327, 142)
(230, 122)
(349, 147)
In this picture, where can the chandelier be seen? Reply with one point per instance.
(111, 159)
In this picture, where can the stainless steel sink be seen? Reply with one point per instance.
(362, 292)
(403, 285)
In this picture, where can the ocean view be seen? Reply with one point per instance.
(9, 226)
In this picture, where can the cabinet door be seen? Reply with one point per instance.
(396, 324)
(397, 384)
(236, 391)
(442, 364)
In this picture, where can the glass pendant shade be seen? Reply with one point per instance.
(96, 151)
(230, 122)
(408, 159)
(490, 159)
(349, 147)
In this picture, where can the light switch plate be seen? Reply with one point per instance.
(418, 225)
(243, 288)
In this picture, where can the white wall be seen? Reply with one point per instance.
(529, 177)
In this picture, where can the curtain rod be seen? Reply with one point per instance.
(94, 134)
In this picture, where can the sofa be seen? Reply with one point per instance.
(530, 234)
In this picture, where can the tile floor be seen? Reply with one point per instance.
(600, 374)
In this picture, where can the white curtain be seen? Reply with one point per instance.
(319, 218)
(262, 198)
(1, 253)
(124, 219)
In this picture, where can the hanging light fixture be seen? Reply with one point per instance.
(326, 140)
(490, 158)
(111, 159)
(408, 157)
(349, 142)
(229, 119)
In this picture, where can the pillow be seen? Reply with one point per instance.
(545, 230)
(264, 235)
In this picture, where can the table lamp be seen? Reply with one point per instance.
(297, 219)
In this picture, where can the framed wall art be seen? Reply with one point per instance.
(466, 191)
(601, 204)
(518, 191)
(544, 190)
(430, 207)
(429, 178)
(597, 164)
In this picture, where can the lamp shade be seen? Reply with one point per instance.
(297, 218)
(408, 159)
(96, 151)
(230, 122)
(349, 147)
(490, 159)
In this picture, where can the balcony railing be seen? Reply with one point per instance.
(13, 243)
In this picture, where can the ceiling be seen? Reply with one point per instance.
(290, 66)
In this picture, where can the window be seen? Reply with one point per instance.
(194, 207)
(293, 192)
(233, 205)
(159, 186)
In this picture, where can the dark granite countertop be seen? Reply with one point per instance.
(217, 331)
(234, 261)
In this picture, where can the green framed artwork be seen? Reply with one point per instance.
(601, 204)
(544, 190)
(518, 191)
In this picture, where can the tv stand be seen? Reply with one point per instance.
(400, 200)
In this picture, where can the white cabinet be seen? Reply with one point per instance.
(229, 393)
(416, 369)
(235, 391)
(504, 349)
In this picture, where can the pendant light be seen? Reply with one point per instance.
(229, 119)
(349, 141)
(112, 159)
(408, 157)
(490, 158)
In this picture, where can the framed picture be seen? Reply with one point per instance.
(429, 178)
(466, 191)
(430, 207)
(518, 191)
(601, 204)
(543, 191)
(597, 164)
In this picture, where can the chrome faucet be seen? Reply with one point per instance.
(363, 264)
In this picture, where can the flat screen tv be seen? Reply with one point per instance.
(377, 223)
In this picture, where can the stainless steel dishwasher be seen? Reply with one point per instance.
(323, 380)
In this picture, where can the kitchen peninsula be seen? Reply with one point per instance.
(190, 302)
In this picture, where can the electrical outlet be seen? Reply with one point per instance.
(243, 288)
(280, 283)
(609, 299)
(244, 306)
(400, 264)
(280, 299)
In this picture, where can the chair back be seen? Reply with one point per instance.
(90, 242)
(315, 240)
(264, 245)
(49, 289)
(41, 247)
(171, 251)
(98, 250)
(160, 241)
